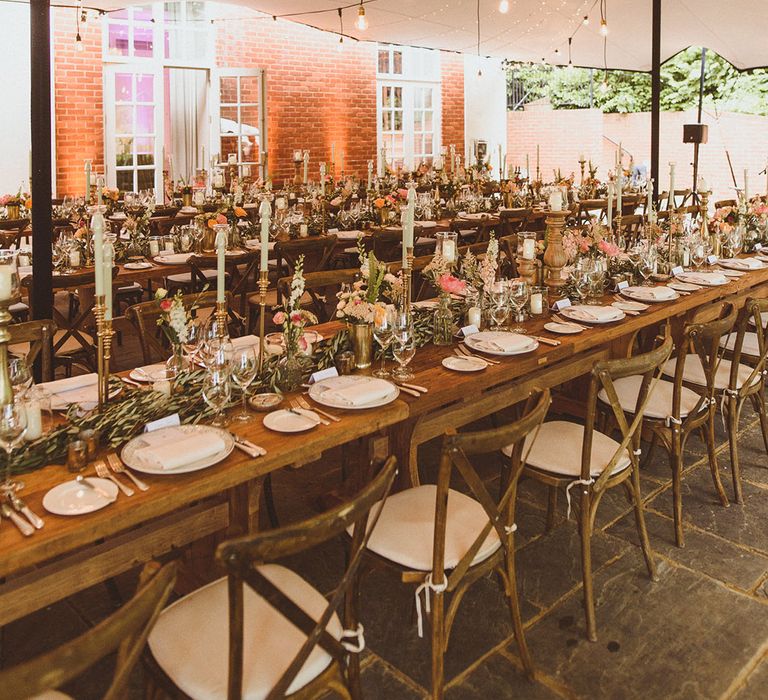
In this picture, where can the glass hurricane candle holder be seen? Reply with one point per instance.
(448, 245)
(9, 275)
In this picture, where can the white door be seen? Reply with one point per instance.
(133, 98)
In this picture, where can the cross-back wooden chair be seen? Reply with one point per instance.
(632, 228)
(679, 198)
(745, 371)
(630, 204)
(725, 203)
(472, 231)
(385, 245)
(591, 208)
(445, 540)
(124, 632)
(12, 231)
(512, 221)
(565, 455)
(152, 340)
(317, 251)
(320, 288)
(674, 411)
(263, 631)
(34, 339)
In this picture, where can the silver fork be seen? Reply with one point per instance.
(467, 353)
(102, 471)
(567, 322)
(117, 466)
(305, 405)
(295, 408)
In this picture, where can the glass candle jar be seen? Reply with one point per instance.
(155, 242)
(538, 302)
(9, 275)
(526, 245)
(447, 246)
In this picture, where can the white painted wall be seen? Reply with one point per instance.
(14, 115)
(485, 106)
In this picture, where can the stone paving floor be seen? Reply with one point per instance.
(701, 631)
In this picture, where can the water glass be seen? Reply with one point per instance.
(404, 346)
(20, 374)
(499, 305)
(518, 293)
(13, 426)
(217, 394)
(243, 367)
(383, 333)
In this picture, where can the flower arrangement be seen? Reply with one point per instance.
(10, 200)
(480, 274)
(589, 241)
(725, 219)
(175, 318)
(291, 317)
(357, 305)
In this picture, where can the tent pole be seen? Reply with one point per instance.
(655, 94)
(40, 108)
(698, 119)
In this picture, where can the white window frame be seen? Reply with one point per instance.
(413, 76)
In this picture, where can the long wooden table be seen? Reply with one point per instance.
(72, 553)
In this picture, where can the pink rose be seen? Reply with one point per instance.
(610, 249)
(279, 318)
(450, 284)
(296, 318)
(166, 304)
(221, 219)
(403, 194)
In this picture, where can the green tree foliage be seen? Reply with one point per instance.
(725, 88)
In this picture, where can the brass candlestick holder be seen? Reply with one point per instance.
(104, 333)
(263, 286)
(6, 389)
(554, 256)
(221, 318)
(617, 223)
(582, 163)
(407, 270)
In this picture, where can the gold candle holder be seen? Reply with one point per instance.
(263, 287)
(554, 256)
(526, 269)
(104, 333)
(407, 270)
(221, 318)
(617, 222)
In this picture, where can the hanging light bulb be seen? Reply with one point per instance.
(504, 7)
(570, 62)
(603, 27)
(78, 42)
(585, 21)
(340, 45)
(557, 52)
(570, 65)
(362, 22)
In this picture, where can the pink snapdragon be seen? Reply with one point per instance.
(610, 249)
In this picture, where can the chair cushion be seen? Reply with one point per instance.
(749, 346)
(405, 531)
(190, 641)
(557, 450)
(659, 402)
(186, 277)
(52, 695)
(694, 372)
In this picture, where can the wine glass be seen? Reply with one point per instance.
(383, 330)
(645, 266)
(20, 376)
(580, 282)
(243, 367)
(499, 298)
(191, 346)
(216, 353)
(736, 241)
(217, 393)
(699, 252)
(518, 293)
(13, 426)
(403, 347)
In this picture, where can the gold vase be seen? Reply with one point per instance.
(186, 199)
(361, 337)
(208, 244)
(13, 211)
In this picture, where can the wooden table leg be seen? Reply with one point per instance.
(245, 508)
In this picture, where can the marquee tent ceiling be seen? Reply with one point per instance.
(533, 29)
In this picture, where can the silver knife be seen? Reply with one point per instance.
(24, 527)
(80, 479)
(21, 507)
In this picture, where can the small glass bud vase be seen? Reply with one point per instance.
(9, 275)
(443, 322)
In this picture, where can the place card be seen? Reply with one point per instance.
(758, 247)
(167, 422)
(561, 304)
(469, 330)
(622, 285)
(711, 259)
(677, 271)
(323, 374)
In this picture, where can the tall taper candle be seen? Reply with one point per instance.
(671, 199)
(370, 174)
(408, 225)
(322, 179)
(265, 212)
(99, 189)
(649, 205)
(501, 164)
(306, 167)
(528, 167)
(333, 158)
(453, 157)
(97, 226)
(380, 163)
(610, 204)
(221, 252)
(87, 182)
(746, 185)
(109, 259)
(538, 162)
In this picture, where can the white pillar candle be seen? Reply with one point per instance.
(109, 259)
(306, 167)
(265, 211)
(409, 220)
(370, 174)
(610, 204)
(449, 251)
(322, 179)
(168, 245)
(537, 303)
(87, 181)
(221, 252)
(671, 201)
(199, 198)
(6, 282)
(701, 185)
(474, 316)
(97, 226)
(34, 420)
(154, 247)
(555, 200)
(74, 257)
(529, 248)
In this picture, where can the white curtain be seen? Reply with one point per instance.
(188, 119)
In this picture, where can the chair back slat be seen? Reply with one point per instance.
(753, 311)
(317, 253)
(39, 335)
(321, 287)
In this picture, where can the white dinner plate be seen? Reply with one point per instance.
(644, 294)
(683, 286)
(119, 216)
(572, 313)
(630, 305)
(732, 273)
(276, 338)
(464, 364)
(138, 265)
(285, 421)
(474, 217)
(478, 341)
(188, 210)
(255, 244)
(134, 461)
(71, 498)
(317, 390)
(737, 264)
(172, 258)
(349, 235)
(144, 374)
(563, 328)
(426, 304)
(425, 224)
(704, 279)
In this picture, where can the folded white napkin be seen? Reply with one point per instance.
(594, 313)
(503, 342)
(174, 258)
(658, 293)
(705, 278)
(81, 389)
(255, 243)
(743, 263)
(174, 448)
(349, 235)
(360, 393)
(245, 341)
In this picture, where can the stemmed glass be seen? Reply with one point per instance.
(518, 293)
(191, 346)
(499, 297)
(404, 346)
(735, 241)
(217, 393)
(21, 377)
(699, 252)
(580, 282)
(383, 331)
(13, 426)
(244, 366)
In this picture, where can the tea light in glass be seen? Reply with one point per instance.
(447, 245)
(9, 275)
(528, 246)
(154, 245)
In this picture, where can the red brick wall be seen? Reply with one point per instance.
(564, 134)
(316, 94)
(452, 75)
(78, 94)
